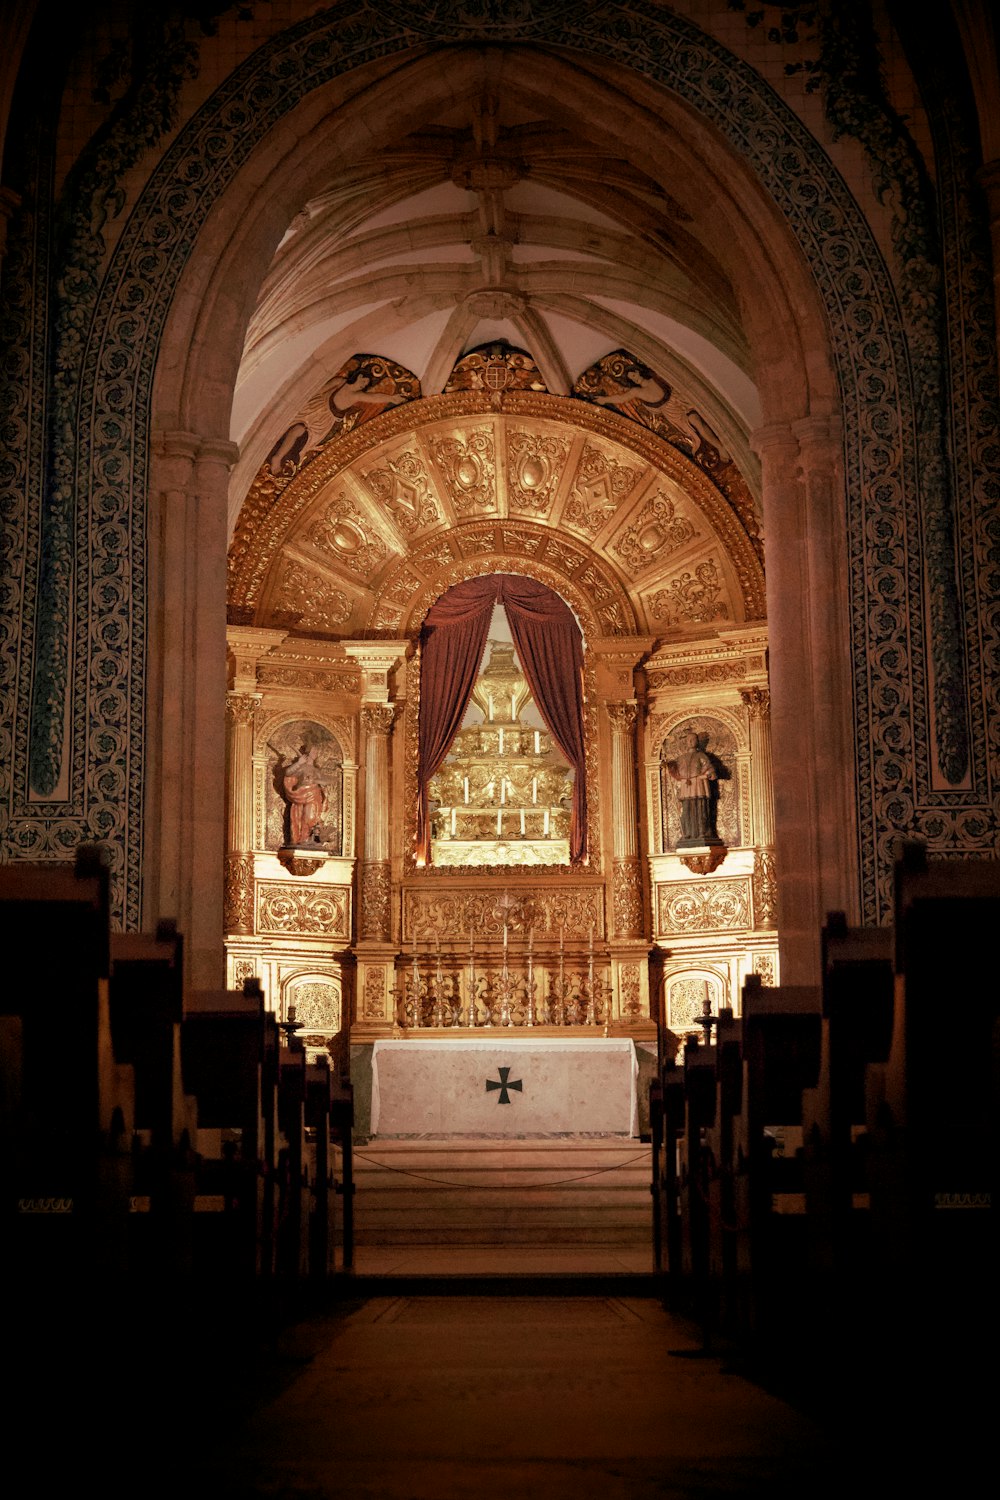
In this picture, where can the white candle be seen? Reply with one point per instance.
(466, 781)
(453, 816)
(534, 788)
(546, 828)
(499, 821)
(522, 822)
(537, 742)
(501, 741)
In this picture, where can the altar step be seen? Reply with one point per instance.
(526, 1193)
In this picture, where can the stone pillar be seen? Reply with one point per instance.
(627, 886)
(810, 690)
(186, 694)
(765, 894)
(792, 692)
(376, 722)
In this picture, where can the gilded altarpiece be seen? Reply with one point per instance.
(292, 768)
(714, 912)
(544, 946)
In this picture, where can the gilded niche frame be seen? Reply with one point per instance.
(513, 874)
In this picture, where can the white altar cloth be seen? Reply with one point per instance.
(567, 1087)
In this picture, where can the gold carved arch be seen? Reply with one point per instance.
(630, 531)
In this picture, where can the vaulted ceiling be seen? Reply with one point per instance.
(492, 224)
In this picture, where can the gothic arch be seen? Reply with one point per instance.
(179, 246)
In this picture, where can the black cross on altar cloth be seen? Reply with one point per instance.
(503, 1085)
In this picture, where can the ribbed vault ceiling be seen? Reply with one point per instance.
(490, 224)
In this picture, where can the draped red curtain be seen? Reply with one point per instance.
(451, 648)
(547, 640)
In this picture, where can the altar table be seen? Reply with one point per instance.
(544, 1086)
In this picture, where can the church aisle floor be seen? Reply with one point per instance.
(561, 1397)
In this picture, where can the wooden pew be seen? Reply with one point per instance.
(932, 1108)
(856, 1032)
(696, 1168)
(65, 1161)
(293, 1164)
(780, 1060)
(667, 1123)
(146, 1013)
(721, 1140)
(329, 1122)
(230, 1050)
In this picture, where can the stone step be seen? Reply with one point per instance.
(530, 1192)
(515, 1235)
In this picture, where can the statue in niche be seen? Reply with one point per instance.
(697, 792)
(305, 797)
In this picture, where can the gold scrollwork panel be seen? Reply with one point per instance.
(702, 906)
(572, 911)
(286, 908)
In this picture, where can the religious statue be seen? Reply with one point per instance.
(305, 796)
(694, 774)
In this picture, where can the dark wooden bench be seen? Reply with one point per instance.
(66, 1154)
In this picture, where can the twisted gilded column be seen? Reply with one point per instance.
(757, 701)
(376, 721)
(240, 711)
(627, 883)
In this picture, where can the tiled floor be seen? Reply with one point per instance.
(525, 1398)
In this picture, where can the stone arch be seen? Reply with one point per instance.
(161, 269)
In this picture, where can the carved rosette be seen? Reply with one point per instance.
(765, 888)
(375, 901)
(239, 894)
(627, 893)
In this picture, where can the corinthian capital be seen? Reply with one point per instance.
(241, 708)
(623, 716)
(376, 718)
(758, 702)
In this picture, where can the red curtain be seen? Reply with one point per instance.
(547, 640)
